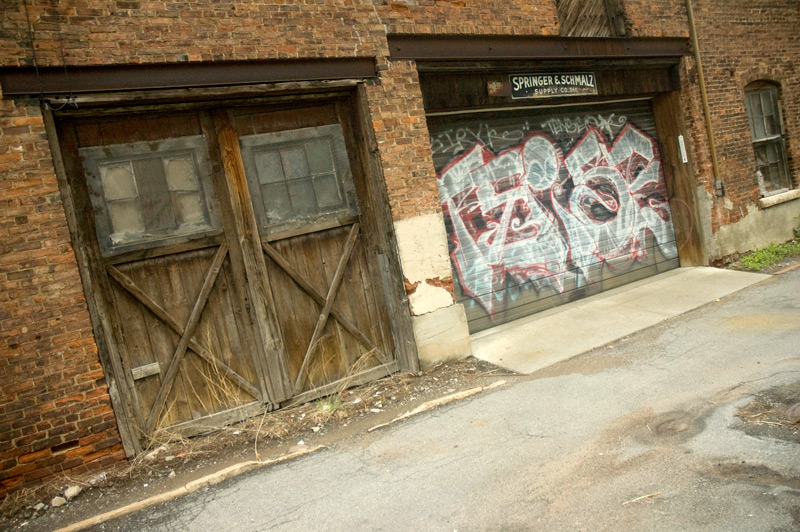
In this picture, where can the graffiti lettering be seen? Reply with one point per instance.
(457, 140)
(609, 125)
(530, 214)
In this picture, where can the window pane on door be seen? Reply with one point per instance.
(126, 219)
(320, 158)
(294, 162)
(327, 191)
(149, 193)
(118, 182)
(301, 196)
(269, 167)
(302, 175)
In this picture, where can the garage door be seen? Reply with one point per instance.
(547, 205)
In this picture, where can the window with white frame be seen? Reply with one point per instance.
(766, 131)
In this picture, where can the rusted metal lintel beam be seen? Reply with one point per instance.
(24, 81)
(481, 47)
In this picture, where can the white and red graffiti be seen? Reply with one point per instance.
(529, 214)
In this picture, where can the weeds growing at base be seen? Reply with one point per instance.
(772, 254)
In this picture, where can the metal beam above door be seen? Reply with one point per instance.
(461, 48)
(29, 81)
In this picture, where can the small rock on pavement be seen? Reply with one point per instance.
(58, 501)
(39, 507)
(72, 492)
(793, 413)
(98, 479)
(171, 474)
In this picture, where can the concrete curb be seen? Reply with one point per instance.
(430, 405)
(786, 270)
(191, 487)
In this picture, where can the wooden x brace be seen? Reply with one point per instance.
(186, 334)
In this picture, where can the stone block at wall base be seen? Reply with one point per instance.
(442, 336)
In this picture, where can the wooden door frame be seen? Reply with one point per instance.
(679, 178)
(120, 382)
(373, 200)
(379, 226)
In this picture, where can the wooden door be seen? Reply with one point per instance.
(230, 263)
(167, 267)
(323, 278)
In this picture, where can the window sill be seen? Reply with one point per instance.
(777, 199)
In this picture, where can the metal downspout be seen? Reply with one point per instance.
(719, 186)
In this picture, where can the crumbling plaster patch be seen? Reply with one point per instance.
(422, 245)
(427, 298)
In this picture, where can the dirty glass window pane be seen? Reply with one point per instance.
(126, 219)
(118, 181)
(270, 168)
(276, 201)
(312, 168)
(147, 193)
(760, 130)
(327, 192)
(301, 195)
(320, 158)
(763, 111)
(190, 209)
(294, 162)
(180, 174)
(772, 153)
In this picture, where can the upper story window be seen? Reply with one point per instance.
(766, 131)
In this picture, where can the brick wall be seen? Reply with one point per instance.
(740, 41)
(55, 413)
(467, 17)
(110, 32)
(402, 135)
(657, 18)
(743, 41)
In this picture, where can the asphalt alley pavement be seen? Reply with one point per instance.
(641, 434)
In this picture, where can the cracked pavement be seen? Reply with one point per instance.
(638, 435)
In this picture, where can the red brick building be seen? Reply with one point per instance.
(207, 209)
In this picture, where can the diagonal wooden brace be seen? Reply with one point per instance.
(329, 300)
(186, 337)
(320, 299)
(151, 305)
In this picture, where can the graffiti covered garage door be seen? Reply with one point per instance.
(545, 206)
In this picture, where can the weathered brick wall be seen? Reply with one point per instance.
(742, 41)
(55, 413)
(467, 17)
(402, 135)
(114, 31)
(657, 18)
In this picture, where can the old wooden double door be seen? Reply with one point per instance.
(231, 255)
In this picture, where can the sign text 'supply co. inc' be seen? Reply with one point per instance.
(552, 85)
